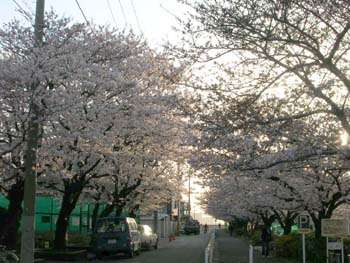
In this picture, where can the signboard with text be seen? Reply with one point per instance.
(334, 227)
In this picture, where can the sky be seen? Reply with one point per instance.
(153, 18)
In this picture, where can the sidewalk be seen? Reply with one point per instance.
(234, 250)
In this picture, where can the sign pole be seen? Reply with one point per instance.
(251, 254)
(304, 256)
(342, 250)
(327, 250)
(304, 228)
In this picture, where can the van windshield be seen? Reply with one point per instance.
(110, 225)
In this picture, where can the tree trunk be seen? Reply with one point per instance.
(107, 210)
(3, 223)
(288, 226)
(286, 220)
(318, 230)
(267, 219)
(133, 211)
(316, 218)
(94, 215)
(9, 235)
(69, 202)
(119, 209)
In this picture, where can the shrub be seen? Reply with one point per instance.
(256, 238)
(347, 246)
(240, 231)
(315, 249)
(288, 246)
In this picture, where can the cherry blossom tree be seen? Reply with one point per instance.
(271, 99)
(296, 48)
(278, 186)
(99, 89)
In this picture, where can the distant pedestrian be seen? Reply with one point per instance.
(230, 228)
(219, 225)
(205, 228)
(265, 238)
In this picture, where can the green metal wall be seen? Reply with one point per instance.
(47, 210)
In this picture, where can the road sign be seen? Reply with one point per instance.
(304, 224)
(334, 227)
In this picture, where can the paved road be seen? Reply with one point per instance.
(185, 249)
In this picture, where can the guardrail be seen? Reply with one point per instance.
(209, 250)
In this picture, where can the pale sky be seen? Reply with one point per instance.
(153, 17)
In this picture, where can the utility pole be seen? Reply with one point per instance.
(189, 195)
(179, 178)
(155, 222)
(30, 155)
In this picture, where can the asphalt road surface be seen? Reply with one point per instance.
(185, 249)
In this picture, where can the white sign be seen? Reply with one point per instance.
(335, 245)
(303, 231)
(334, 227)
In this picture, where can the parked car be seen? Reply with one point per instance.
(116, 234)
(182, 228)
(148, 237)
(192, 227)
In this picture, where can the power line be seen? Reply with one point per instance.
(121, 7)
(24, 12)
(82, 12)
(137, 19)
(110, 9)
(169, 12)
(29, 8)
